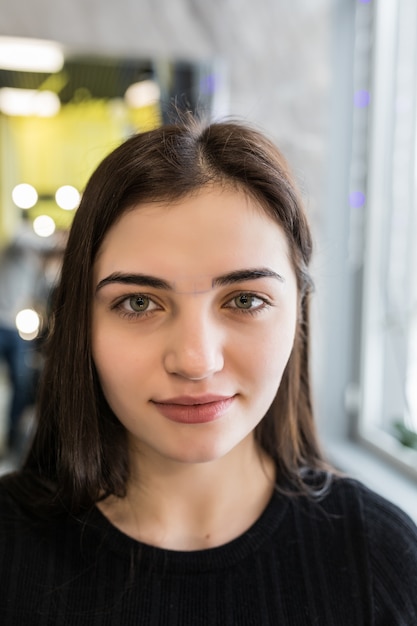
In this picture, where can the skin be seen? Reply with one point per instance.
(196, 336)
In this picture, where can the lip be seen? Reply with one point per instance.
(194, 409)
(190, 400)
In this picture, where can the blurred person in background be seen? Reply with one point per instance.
(175, 476)
(29, 269)
(20, 270)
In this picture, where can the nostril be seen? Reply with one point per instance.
(193, 366)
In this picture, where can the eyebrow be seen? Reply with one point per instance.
(144, 280)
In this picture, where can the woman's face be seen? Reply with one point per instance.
(194, 315)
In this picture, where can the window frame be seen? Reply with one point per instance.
(343, 264)
(382, 174)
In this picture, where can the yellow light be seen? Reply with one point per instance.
(24, 196)
(29, 102)
(44, 226)
(30, 55)
(67, 197)
(142, 94)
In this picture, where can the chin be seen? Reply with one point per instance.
(206, 454)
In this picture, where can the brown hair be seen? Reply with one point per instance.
(79, 448)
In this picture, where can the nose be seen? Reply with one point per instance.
(195, 346)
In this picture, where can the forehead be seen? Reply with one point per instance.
(193, 240)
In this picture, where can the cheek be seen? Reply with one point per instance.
(115, 347)
(113, 358)
(264, 355)
(274, 357)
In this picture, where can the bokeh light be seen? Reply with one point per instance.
(24, 196)
(28, 102)
(28, 324)
(356, 199)
(142, 94)
(30, 55)
(44, 226)
(362, 98)
(67, 197)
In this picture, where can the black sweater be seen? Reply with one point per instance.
(350, 559)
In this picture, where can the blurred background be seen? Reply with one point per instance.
(332, 82)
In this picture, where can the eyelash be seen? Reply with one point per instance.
(125, 314)
(265, 303)
(130, 315)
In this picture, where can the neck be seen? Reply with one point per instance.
(186, 506)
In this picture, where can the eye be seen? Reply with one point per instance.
(247, 302)
(138, 303)
(135, 306)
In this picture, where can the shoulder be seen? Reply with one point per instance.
(18, 519)
(387, 537)
(380, 517)
(27, 504)
(363, 543)
(380, 521)
(9, 508)
(45, 562)
(15, 490)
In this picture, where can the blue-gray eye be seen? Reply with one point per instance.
(139, 303)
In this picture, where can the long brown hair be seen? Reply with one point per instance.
(79, 450)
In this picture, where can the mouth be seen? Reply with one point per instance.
(191, 400)
(194, 410)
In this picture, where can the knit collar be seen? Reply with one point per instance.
(99, 534)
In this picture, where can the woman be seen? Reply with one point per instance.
(175, 476)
